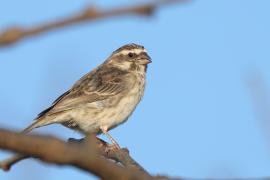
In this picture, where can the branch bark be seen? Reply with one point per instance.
(84, 155)
(119, 156)
(15, 34)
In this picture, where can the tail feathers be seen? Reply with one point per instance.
(36, 124)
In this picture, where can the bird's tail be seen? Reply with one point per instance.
(36, 124)
(31, 127)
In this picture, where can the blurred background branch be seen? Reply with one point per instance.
(260, 97)
(15, 34)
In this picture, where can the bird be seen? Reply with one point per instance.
(103, 98)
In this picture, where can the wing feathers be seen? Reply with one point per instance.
(97, 85)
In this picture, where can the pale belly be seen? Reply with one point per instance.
(101, 114)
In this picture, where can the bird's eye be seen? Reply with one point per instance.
(130, 55)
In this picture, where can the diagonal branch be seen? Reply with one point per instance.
(8, 163)
(52, 150)
(83, 155)
(120, 156)
(15, 34)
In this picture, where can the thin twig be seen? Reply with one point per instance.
(15, 34)
(8, 163)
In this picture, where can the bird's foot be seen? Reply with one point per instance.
(112, 147)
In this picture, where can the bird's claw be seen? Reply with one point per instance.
(112, 147)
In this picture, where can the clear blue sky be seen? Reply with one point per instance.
(197, 119)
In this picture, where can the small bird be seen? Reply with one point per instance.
(103, 98)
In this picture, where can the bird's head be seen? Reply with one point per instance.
(130, 57)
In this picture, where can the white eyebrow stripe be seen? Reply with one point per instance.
(136, 51)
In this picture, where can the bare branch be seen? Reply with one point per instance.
(15, 34)
(52, 150)
(84, 155)
(120, 156)
(8, 163)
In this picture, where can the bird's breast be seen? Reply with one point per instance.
(112, 111)
(124, 104)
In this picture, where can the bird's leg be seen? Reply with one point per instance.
(105, 131)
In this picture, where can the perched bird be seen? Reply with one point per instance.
(103, 98)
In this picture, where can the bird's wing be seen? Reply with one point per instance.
(97, 85)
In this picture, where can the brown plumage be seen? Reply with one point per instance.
(103, 98)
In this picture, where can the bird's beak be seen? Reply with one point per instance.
(145, 60)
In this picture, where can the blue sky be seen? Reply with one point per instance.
(198, 117)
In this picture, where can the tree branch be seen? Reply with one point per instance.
(15, 34)
(49, 149)
(120, 156)
(83, 155)
(8, 163)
